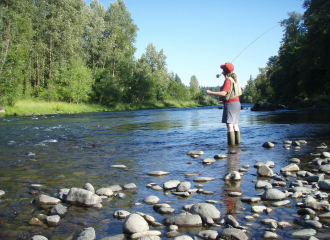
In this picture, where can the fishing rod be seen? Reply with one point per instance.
(218, 75)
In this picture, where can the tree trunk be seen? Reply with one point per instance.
(50, 59)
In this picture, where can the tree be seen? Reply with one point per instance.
(76, 81)
(194, 87)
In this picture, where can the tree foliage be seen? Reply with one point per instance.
(68, 51)
(302, 67)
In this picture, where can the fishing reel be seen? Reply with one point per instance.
(218, 75)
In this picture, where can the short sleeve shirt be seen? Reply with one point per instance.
(226, 87)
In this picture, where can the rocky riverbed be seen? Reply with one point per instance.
(302, 186)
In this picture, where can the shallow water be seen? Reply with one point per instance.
(65, 151)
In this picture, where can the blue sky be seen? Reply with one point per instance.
(198, 36)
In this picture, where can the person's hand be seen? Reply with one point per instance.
(208, 92)
(218, 75)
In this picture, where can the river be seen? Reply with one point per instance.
(65, 151)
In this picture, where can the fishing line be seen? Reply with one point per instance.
(218, 76)
(254, 41)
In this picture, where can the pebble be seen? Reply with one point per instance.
(204, 179)
(199, 153)
(157, 173)
(119, 167)
(129, 186)
(2, 193)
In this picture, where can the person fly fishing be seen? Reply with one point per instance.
(229, 94)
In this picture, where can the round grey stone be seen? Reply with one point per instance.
(135, 223)
(205, 210)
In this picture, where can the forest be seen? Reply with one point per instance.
(301, 70)
(64, 50)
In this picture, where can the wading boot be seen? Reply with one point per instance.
(231, 138)
(237, 137)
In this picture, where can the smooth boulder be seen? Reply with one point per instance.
(135, 223)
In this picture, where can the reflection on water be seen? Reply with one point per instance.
(67, 151)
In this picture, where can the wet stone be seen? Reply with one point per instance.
(87, 234)
(59, 209)
(39, 237)
(205, 210)
(129, 186)
(200, 153)
(2, 193)
(171, 184)
(53, 220)
(235, 194)
(268, 145)
(36, 186)
(269, 235)
(146, 234)
(157, 188)
(208, 161)
(204, 179)
(166, 210)
(208, 234)
(157, 173)
(89, 187)
(119, 167)
(220, 156)
(151, 200)
(265, 171)
(115, 188)
(121, 214)
(304, 233)
(183, 186)
(135, 223)
(193, 220)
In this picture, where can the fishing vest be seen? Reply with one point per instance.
(234, 91)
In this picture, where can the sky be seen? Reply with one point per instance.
(198, 36)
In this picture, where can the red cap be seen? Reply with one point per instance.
(227, 67)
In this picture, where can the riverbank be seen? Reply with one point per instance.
(30, 108)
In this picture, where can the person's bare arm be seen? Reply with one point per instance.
(218, 94)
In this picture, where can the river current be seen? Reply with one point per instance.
(65, 151)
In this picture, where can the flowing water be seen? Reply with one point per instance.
(65, 151)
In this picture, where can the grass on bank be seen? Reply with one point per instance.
(28, 107)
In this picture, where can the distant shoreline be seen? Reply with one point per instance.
(32, 108)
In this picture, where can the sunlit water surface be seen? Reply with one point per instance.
(65, 151)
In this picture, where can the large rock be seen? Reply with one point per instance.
(205, 210)
(151, 200)
(265, 171)
(208, 234)
(273, 194)
(324, 185)
(104, 192)
(135, 223)
(89, 187)
(233, 176)
(183, 186)
(147, 235)
(184, 220)
(304, 233)
(82, 197)
(87, 234)
(292, 167)
(53, 220)
(171, 184)
(233, 234)
(46, 200)
(59, 209)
